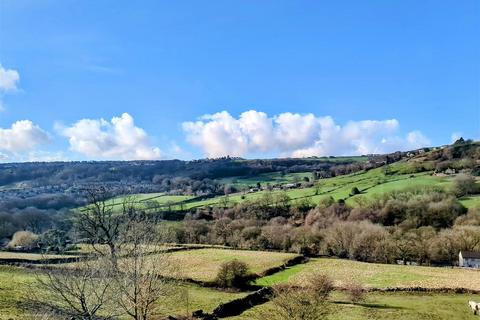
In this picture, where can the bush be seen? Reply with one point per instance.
(321, 285)
(354, 191)
(355, 291)
(304, 302)
(232, 274)
(464, 185)
(25, 239)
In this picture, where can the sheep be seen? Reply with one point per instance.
(474, 306)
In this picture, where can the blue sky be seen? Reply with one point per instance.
(278, 78)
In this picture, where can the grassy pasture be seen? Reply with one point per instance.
(84, 248)
(264, 178)
(370, 183)
(203, 264)
(198, 298)
(471, 202)
(386, 306)
(5, 255)
(17, 284)
(379, 275)
(147, 201)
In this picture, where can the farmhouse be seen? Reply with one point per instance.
(292, 185)
(469, 259)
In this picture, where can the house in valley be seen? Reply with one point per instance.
(469, 259)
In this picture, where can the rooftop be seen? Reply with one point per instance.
(470, 254)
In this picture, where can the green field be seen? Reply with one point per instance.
(370, 183)
(386, 306)
(471, 202)
(84, 248)
(378, 275)
(264, 178)
(5, 255)
(149, 201)
(17, 284)
(203, 264)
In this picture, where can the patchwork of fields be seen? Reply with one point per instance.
(370, 183)
(18, 283)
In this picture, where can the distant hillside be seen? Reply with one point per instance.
(60, 184)
(434, 167)
(57, 185)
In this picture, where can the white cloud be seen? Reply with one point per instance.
(416, 139)
(298, 135)
(22, 136)
(8, 79)
(117, 139)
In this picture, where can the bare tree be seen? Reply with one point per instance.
(128, 275)
(138, 276)
(82, 291)
(102, 222)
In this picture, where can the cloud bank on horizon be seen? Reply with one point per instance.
(117, 139)
(220, 134)
(296, 135)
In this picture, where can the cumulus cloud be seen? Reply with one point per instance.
(22, 136)
(117, 139)
(297, 135)
(8, 79)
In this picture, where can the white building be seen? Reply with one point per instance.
(469, 259)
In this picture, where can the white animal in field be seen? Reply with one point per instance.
(474, 306)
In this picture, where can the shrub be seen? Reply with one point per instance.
(25, 239)
(355, 291)
(464, 185)
(321, 285)
(354, 191)
(305, 302)
(232, 274)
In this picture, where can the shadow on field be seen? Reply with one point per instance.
(368, 305)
